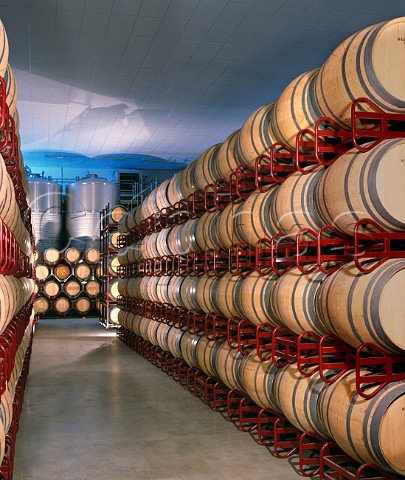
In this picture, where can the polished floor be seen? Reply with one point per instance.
(96, 410)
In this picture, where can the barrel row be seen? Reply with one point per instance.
(71, 255)
(309, 403)
(8, 396)
(355, 69)
(355, 307)
(62, 305)
(353, 188)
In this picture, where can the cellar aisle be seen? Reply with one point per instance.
(96, 410)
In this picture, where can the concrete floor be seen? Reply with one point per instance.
(96, 410)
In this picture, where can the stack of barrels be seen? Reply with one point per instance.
(354, 306)
(68, 282)
(110, 263)
(16, 317)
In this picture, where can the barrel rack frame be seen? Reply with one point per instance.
(308, 250)
(106, 252)
(13, 262)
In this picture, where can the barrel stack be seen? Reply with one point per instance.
(67, 282)
(111, 257)
(183, 290)
(17, 249)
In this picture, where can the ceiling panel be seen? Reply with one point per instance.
(164, 77)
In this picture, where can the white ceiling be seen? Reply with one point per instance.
(164, 77)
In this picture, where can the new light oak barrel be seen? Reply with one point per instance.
(369, 64)
(173, 291)
(52, 256)
(227, 296)
(293, 301)
(62, 305)
(294, 206)
(62, 271)
(296, 109)
(255, 137)
(225, 227)
(227, 158)
(204, 172)
(227, 362)
(72, 287)
(152, 330)
(4, 51)
(188, 181)
(116, 213)
(92, 255)
(113, 289)
(130, 287)
(365, 308)
(161, 195)
(188, 293)
(161, 241)
(42, 272)
(370, 431)
(92, 288)
(51, 288)
(188, 240)
(188, 347)
(253, 220)
(254, 298)
(72, 255)
(113, 239)
(82, 271)
(83, 305)
(206, 230)
(113, 264)
(298, 396)
(206, 353)
(41, 305)
(174, 340)
(162, 336)
(364, 185)
(149, 247)
(174, 191)
(206, 291)
(257, 378)
(113, 315)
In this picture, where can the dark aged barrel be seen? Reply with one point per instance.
(365, 308)
(364, 185)
(62, 271)
(296, 109)
(370, 431)
(256, 137)
(227, 158)
(293, 300)
(369, 64)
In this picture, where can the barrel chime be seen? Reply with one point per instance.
(357, 302)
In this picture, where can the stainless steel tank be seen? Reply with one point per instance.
(84, 201)
(46, 211)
